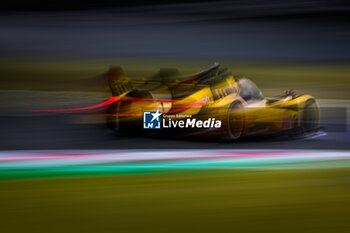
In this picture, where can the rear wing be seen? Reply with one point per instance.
(118, 82)
(121, 84)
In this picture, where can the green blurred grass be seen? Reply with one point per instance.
(225, 201)
(323, 79)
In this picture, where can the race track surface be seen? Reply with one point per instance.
(25, 130)
(55, 132)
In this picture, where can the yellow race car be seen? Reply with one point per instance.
(211, 103)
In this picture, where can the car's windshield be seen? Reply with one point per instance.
(249, 91)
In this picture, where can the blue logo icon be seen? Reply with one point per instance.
(151, 120)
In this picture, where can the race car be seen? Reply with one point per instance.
(226, 107)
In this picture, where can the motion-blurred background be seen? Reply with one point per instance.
(279, 44)
(52, 55)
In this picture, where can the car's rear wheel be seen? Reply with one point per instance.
(112, 117)
(235, 121)
(115, 114)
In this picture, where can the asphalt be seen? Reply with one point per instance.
(47, 131)
(23, 130)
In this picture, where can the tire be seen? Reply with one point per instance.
(234, 121)
(116, 123)
(111, 117)
(308, 121)
(310, 117)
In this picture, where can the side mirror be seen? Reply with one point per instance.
(291, 93)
